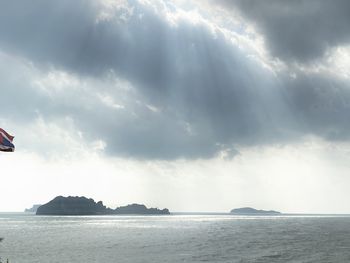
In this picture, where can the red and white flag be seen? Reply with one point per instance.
(6, 139)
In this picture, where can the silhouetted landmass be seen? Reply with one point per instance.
(74, 205)
(32, 210)
(140, 209)
(252, 211)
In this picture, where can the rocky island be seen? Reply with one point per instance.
(252, 211)
(32, 210)
(74, 205)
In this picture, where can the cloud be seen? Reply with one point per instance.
(300, 31)
(149, 80)
(322, 104)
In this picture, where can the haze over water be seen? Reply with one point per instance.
(175, 238)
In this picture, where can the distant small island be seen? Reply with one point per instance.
(32, 210)
(74, 205)
(252, 211)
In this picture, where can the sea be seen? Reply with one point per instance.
(175, 238)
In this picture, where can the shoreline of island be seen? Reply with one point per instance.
(143, 210)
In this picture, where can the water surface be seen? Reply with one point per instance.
(174, 238)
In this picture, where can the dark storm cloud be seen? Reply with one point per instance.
(321, 104)
(301, 30)
(194, 93)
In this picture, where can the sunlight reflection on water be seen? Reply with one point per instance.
(175, 238)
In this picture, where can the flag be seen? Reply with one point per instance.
(6, 144)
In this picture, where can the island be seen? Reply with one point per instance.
(140, 209)
(32, 210)
(252, 211)
(75, 205)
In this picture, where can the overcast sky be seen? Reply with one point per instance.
(190, 105)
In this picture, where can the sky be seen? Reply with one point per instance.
(190, 105)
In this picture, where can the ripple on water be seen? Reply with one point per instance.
(217, 238)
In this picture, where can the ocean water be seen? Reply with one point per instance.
(174, 238)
